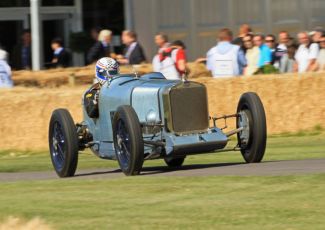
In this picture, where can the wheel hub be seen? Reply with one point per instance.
(55, 143)
(243, 122)
(119, 141)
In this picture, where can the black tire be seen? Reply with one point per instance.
(174, 162)
(128, 142)
(251, 108)
(63, 143)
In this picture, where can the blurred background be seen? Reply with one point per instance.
(194, 22)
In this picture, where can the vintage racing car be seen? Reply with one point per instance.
(149, 117)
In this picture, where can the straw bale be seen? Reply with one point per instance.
(292, 103)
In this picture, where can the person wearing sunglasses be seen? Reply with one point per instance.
(277, 50)
(265, 57)
(271, 43)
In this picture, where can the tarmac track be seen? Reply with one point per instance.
(268, 168)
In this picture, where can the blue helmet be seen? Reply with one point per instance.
(105, 69)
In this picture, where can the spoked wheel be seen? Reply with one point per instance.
(252, 139)
(128, 142)
(174, 162)
(63, 143)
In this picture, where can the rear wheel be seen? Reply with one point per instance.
(252, 139)
(128, 142)
(63, 143)
(174, 162)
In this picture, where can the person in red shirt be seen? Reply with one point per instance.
(176, 51)
(171, 61)
(180, 60)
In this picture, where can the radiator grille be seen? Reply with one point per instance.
(189, 108)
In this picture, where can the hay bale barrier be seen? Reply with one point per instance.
(15, 223)
(60, 77)
(292, 102)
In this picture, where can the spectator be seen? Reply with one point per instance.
(225, 59)
(281, 50)
(317, 34)
(287, 61)
(265, 57)
(94, 33)
(284, 38)
(61, 57)
(244, 30)
(3, 54)
(5, 71)
(270, 41)
(171, 61)
(320, 63)
(133, 52)
(252, 55)
(306, 54)
(162, 61)
(180, 62)
(277, 52)
(102, 48)
(161, 41)
(21, 54)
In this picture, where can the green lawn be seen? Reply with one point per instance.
(210, 202)
(281, 147)
(224, 202)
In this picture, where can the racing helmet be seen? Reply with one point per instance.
(105, 69)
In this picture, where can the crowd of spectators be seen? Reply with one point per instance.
(266, 54)
(247, 54)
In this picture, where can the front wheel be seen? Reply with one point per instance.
(63, 143)
(128, 142)
(252, 138)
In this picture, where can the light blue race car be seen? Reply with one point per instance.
(149, 117)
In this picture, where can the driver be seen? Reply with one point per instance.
(106, 69)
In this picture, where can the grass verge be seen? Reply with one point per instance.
(226, 202)
(211, 202)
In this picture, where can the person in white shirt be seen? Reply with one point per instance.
(3, 55)
(165, 60)
(306, 54)
(320, 63)
(225, 59)
(5, 71)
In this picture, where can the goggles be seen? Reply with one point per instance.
(107, 73)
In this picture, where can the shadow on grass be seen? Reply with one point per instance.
(166, 169)
(98, 173)
(163, 169)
